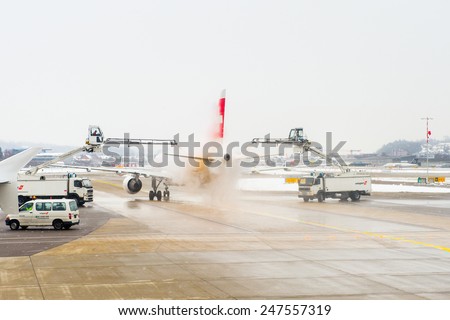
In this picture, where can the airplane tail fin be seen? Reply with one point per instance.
(221, 107)
(8, 178)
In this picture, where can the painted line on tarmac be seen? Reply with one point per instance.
(366, 233)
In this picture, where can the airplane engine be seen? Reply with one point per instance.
(132, 184)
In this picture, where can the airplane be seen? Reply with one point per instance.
(219, 169)
(203, 171)
(132, 182)
(207, 167)
(9, 169)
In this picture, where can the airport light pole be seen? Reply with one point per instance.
(428, 138)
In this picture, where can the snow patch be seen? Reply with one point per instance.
(278, 184)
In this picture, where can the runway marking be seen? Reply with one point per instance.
(366, 233)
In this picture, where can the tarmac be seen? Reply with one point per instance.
(243, 246)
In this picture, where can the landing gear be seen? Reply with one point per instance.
(155, 193)
(152, 195)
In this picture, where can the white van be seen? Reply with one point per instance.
(59, 213)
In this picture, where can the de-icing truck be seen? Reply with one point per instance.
(341, 186)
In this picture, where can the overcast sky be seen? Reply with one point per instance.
(365, 70)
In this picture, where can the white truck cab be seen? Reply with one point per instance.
(59, 213)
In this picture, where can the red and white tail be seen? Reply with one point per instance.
(221, 106)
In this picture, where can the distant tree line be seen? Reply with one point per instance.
(411, 147)
(4, 154)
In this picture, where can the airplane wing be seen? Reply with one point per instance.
(8, 178)
(136, 171)
(132, 182)
(199, 158)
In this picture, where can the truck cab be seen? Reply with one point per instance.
(81, 190)
(296, 135)
(309, 187)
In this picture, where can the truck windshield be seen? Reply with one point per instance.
(87, 183)
(306, 181)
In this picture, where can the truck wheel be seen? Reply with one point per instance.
(320, 197)
(58, 224)
(355, 196)
(14, 224)
(305, 199)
